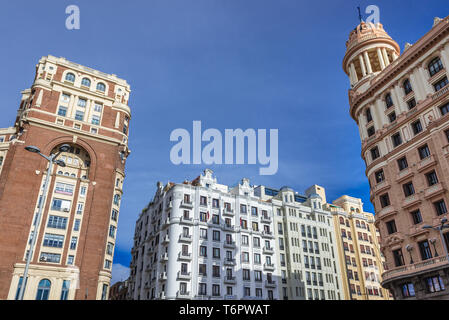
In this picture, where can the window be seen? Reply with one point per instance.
(398, 258)
(203, 251)
(107, 264)
(216, 271)
(110, 248)
(416, 216)
(444, 109)
(62, 111)
(432, 178)
(246, 275)
(76, 226)
(254, 211)
(104, 292)
(424, 249)
(117, 199)
(112, 231)
(216, 290)
(407, 87)
(371, 131)
(368, 115)
(440, 207)
(73, 242)
(379, 176)
(392, 117)
(391, 227)
(424, 152)
(79, 115)
(101, 87)
(53, 240)
(65, 289)
(43, 290)
(85, 82)
(82, 102)
(215, 203)
(216, 235)
(417, 127)
(375, 153)
(440, 84)
(388, 101)
(435, 284)
(65, 97)
(57, 222)
(435, 66)
(70, 77)
(384, 200)
(203, 201)
(215, 219)
(216, 253)
(64, 188)
(411, 103)
(408, 189)
(396, 139)
(203, 234)
(402, 163)
(96, 120)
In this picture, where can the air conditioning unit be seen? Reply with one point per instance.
(43, 259)
(65, 210)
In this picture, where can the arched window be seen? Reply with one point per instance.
(363, 225)
(85, 82)
(101, 87)
(66, 174)
(388, 100)
(357, 223)
(60, 172)
(435, 66)
(407, 86)
(73, 175)
(43, 290)
(70, 77)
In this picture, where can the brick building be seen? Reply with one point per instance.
(87, 109)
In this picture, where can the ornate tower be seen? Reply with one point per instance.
(72, 259)
(401, 106)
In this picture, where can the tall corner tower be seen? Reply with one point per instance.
(72, 258)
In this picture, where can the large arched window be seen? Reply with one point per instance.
(85, 82)
(70, 77)
(101, 87)
(435, 66)
(43, 290)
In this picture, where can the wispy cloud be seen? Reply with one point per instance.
(119, 273)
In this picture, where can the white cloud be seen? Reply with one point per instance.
(119, 273)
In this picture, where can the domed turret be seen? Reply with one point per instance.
(369, 50)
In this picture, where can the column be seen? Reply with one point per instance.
(368, 63)
(424, 80)
(381, 60)
(445, 58)
(419, 94)
(362, 64)
(354, 72)
(72, 105)
(385, 55)
(401, 104)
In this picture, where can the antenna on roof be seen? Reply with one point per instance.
(360, 15)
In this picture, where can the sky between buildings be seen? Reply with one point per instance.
(265, 64)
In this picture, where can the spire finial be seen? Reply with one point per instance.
(360, 14)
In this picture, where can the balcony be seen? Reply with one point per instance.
(185, 238)
(186, 204)
(165, 239)
(163, 276)
(421, 266)
(268, 250)
(184, 275)
(267, 234)
(404, 174)
(229, 262)
(434, 190)
(183, 295)
(229, 280)
(265, 219)
(270, 284)
(227, 227)
(166, 223)
(268, 266)
(164, 257)
(185, 256)
(228, 212)
(410, 201)
(187, 221)
(229, 244)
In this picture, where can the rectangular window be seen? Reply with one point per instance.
(203, 201)
(440, 207)
(440, 84)
(375, 153)
(424, 152)
(380, 176)
(435, 284)
(73, 243)
(384, 200)
(408, 189)
(411, 103)
(392, 117)
(57, 222)
(79, 115)
(64, 188)
(62, 111)
(110, 248)
(76, 225)
(424, 249)
(371, 131)
(53, 240)
(444, 109)
(398, 258)
(112, 231)
(97, 107)
(416, 216)
(432, 178)
(107, 264)
(96, 120)
(391, 227)
(402, 163)
(396, 139)
(82, 102)
(417, 127)
(50, 257)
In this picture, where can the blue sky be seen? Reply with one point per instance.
(229, 63)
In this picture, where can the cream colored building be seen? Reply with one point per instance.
(361, 261)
